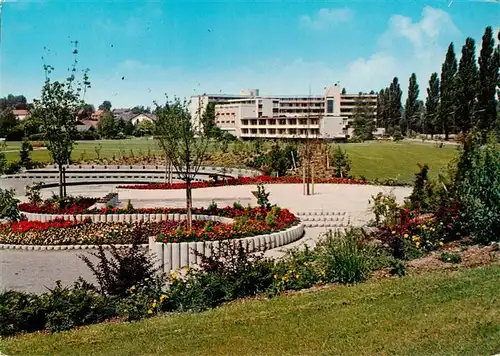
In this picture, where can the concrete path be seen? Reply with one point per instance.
(35, 270)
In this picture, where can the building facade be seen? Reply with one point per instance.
(250, 115)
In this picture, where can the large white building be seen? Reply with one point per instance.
(250, 115)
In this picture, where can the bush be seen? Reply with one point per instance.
(13, 168)
(341, 163)
(477, 190)
(33, 193)
(262, 197)
(9, 208)
(343, 257)
(385, 208)
(62, 308)
(125, 268)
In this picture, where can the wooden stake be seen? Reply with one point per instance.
(304, 180)
(312, 179)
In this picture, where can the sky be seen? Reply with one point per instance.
(138, 51)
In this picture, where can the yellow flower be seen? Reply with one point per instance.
(150, 311)
(285, 278)
(417, 244)
(394, 232)
(441, 243)
(174, 275)
(163, 297)
(297, 275)
(132, 289)
(275, 276)
(146, 279)
(405, 236)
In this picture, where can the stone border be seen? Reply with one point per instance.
(173, 256)
(64, 247)
(127, 218)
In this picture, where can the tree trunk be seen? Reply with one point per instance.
(60, 182)
(64, 182)
(189, 204)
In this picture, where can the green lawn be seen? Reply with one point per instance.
(382, 160)
(397, 160)
(441, 313)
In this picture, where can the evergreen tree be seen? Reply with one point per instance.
(448, 100)
(432, 105)
(381, 111)
(488, 79)
(394, 104)
(411, 117)
(467, 87)
(364, 120)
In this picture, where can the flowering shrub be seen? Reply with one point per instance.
(244, 181)
(248, 222)
(69, 205)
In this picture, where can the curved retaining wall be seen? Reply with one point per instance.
(128, 218)
(173, 256)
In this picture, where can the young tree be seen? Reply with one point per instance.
(411, 113)
(24, 153)
(57, 110)
(432, 105)
(208, 120)
(448, 97)
(488, 78)
(107, 125)
(364, 120)
(467, 87)
(183, 143)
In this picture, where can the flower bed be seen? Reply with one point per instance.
(71, 205)
(243, 181)
(248, 222)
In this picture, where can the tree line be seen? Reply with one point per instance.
(461, 98)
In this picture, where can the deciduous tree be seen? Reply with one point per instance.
(183, 143)
(411, 117)
(447, 92)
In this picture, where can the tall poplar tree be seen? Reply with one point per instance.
(410, 119)
(488, 78)
(394, 104)
(467, 87)
(447, 99)
(432, 105)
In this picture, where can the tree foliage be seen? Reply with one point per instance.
(489, 62)
(183, 143)
(431, 118)
(448, 97)
(411, 117)
(105, 106)
(57, 109)
(467, 87)
(364, 119)
(107, 125)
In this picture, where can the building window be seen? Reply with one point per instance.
(329, 106)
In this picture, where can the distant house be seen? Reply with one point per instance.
(21, 114)
(128, 115)
(96, 115)
(85, 125)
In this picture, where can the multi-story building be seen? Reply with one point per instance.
(249, 115)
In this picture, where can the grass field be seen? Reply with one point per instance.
(448, 313)
(382, 160)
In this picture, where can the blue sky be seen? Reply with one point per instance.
(187, 47)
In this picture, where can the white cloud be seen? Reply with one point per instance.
(326, 17)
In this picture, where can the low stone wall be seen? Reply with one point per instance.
(173, 256)
(127, 218)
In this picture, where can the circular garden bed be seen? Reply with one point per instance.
(245, 222)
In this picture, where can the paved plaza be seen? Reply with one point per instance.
(35, 270)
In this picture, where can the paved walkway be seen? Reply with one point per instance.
(35, 270)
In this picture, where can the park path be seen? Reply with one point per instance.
(33, 271)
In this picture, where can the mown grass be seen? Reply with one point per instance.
(441, 313)
(381, 160)
(397, 160)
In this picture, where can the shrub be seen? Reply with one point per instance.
(343, 257)
(9, 208)
(61, 308)
(125, 268)
(423, 191)
(24, 153)
(33, 193)
(341, 163)
(478, 190)
(13, 168)
(385, 208)
(450, 257)
(262, 197)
